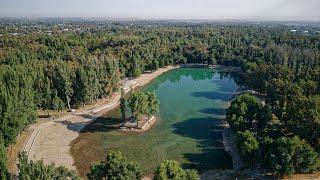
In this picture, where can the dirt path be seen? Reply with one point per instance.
(50, 141)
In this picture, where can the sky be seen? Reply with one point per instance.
(165, 9)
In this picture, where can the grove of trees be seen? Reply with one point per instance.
(263, 138)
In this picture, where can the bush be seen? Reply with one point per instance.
(248, 145)
(171, 170)
(243, 110)
(115, 166)
(191, 174)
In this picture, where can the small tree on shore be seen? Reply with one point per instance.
(123, 105)
(138, 104)
(243, 112)
(212, 59)
(142, 103)
(57, 103)
(248, 146)
(153, 104)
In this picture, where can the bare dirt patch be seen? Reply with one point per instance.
(315, 176)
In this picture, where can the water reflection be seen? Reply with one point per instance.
(205, 74)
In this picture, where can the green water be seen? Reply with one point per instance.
(192, 104)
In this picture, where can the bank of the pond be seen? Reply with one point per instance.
(189, 130)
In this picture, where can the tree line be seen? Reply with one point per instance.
(114, 166)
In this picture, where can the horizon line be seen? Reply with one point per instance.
(135, 18)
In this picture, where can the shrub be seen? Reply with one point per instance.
(171, 170)
(115, 166)
(243, 110)
(248, 145)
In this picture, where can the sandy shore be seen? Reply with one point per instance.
(50, 140)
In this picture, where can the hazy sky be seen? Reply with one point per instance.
(176, 9)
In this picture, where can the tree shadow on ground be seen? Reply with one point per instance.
(108, 122)
(88, 116)
(208, 132)
(212, 95)
(74, 126)
(102, 124)
(94, 124)
(43, 116)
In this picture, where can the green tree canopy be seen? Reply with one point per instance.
(138, 103)
(248, 146)
(171, 170)
(243, 111)
(116, 167)
(290, 155)
(153, 103)
(143, 103)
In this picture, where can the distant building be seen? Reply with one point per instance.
(49, 32)
(13, 34)
(293, 30)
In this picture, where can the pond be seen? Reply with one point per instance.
(192, 109)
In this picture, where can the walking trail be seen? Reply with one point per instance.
(50, 140)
